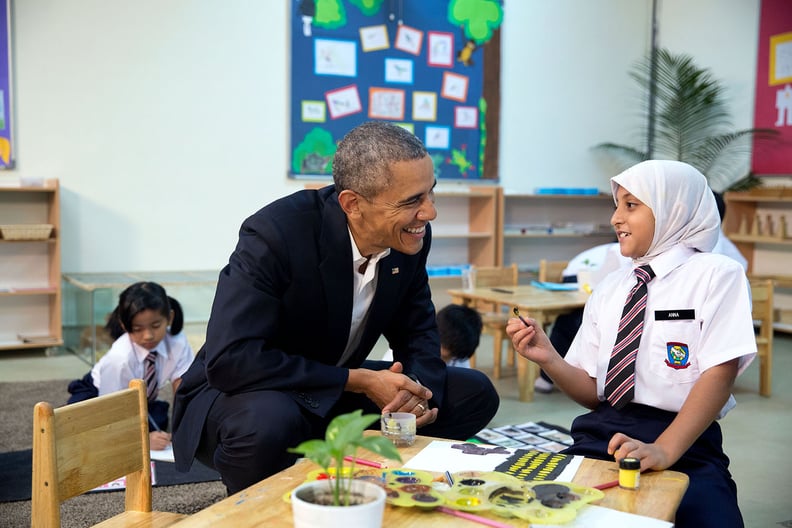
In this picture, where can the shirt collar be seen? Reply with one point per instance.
(358, 259)
(669, 260)
(141, 353)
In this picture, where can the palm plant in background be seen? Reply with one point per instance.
(688, 120)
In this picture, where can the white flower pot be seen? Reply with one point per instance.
(310, 515)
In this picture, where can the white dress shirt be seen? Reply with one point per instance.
(721, 328)
(125, 361)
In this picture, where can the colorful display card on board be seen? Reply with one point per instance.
(6, 157)
(773, 108)
(415, 63)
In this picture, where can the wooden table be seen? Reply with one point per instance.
(262, 504)
(543, 305)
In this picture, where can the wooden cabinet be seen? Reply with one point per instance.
(553, 226)
(468, 226)
(30, 289)
(759, 222)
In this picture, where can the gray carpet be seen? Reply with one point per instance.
(16, 432)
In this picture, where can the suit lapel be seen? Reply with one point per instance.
(335, 269)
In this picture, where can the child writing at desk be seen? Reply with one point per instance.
(149, 345)
(656, 370)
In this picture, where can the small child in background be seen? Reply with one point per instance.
(146, 320)
(460, 330)
(661, 342)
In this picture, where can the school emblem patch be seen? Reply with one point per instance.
(678, 355)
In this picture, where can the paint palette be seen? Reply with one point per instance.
(538, 502)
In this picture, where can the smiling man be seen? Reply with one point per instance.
(316, 278)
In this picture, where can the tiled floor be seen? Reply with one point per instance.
(758, 433)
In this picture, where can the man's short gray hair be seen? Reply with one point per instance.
(364, 156)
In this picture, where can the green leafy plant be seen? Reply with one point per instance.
(343, 437)
(688, 120)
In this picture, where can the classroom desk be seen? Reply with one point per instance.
(262, 504)
(542, 305)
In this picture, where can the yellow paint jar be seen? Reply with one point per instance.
(629, 473)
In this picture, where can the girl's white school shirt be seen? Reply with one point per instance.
(673, 352)
(125, 361)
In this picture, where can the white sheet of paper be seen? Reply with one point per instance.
(166, 455)
(591, 516)
(439, 456)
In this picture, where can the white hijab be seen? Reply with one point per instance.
(681, 201)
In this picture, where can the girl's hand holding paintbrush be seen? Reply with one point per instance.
(529, 340)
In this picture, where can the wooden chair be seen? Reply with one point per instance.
(762, 311)
(552, 270)
(84, 445)
(493, 318)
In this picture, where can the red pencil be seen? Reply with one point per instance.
(364, 462)
(607, 485)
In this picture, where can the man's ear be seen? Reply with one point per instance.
(350, 202)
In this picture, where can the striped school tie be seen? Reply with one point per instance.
(151, 375)
(620, 381)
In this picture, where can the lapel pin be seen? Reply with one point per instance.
(394, 271)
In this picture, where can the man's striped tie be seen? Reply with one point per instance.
(620, 381)
(151, 375)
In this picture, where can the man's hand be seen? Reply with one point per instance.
(392, 391)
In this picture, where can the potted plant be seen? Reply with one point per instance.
(362, 501)
(687, 119)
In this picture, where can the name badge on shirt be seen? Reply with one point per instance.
(675, 315)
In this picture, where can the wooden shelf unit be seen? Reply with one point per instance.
(553, 226)
(30, 286)
(767, 249)
(468, 226)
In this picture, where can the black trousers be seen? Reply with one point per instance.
(711, 497)
(246, 435)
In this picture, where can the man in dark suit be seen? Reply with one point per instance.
(316, 278)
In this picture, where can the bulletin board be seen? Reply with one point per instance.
(425, 65)
(773, 101)
(6, 136)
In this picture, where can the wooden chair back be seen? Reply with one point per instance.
(552, 270)
(84, 445)
(494, 319)
(762, 312)
(496, 275)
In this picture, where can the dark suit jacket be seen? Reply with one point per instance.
(281, 316)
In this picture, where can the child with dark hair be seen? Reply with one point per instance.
(460, 329)
(149, 345)
(661, 342)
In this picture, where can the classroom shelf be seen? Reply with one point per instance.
(30, 292)
(758, 222)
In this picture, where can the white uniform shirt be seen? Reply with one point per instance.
(364, 286)
(125, 361)
(674, 352)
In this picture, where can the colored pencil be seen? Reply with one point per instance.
(607, 485)
(475, 518)
(364, 462)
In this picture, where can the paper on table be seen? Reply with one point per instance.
(556, 286)
(166, 455)
(591, 516)
(440, 456)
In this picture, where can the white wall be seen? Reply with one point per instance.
(166, 122)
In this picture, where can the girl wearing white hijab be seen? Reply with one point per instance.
(696, 336)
